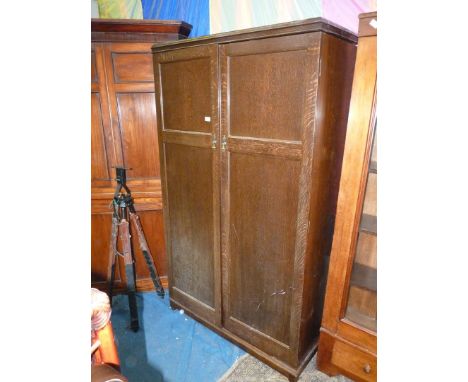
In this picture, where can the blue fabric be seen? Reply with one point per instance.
(170, 346)
(195, 12)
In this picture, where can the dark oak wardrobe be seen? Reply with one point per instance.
(251, 128)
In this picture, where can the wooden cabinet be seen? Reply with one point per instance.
(123, 132)
(348, 338)
(251, 131)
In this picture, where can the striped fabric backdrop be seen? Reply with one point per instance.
(123, 9)
(195, 12)
(228, 15)
(215, 16)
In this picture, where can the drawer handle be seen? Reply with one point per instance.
(366, 368)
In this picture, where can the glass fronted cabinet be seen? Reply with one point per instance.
(362, 294)
(348, 333)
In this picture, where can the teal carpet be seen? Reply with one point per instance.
(169, 346)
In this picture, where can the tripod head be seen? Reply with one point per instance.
(121, 179)
(121, 200)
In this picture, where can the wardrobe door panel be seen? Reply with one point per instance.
(262, 238)
(190, 173)
(258, 77)
(191, 78)
(190, 185)
(263, 96)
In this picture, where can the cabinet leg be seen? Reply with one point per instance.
(324, 353)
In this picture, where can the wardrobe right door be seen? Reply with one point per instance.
(263, 96)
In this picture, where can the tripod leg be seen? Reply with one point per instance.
(147, 254)
(112, 256)
(129, 272)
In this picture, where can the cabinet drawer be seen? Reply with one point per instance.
(361, 365)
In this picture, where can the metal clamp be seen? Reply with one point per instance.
(213, 141)
(223, 143)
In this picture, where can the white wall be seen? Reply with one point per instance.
(94, 9)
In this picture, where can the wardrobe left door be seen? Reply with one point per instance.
(186, 82)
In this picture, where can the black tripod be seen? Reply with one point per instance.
(124, 211)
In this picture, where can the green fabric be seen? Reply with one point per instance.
(120, 9)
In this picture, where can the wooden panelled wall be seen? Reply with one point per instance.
(124, 132)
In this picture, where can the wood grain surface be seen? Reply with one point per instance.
(187, 124)
(124, 132)
(277, 100)
(348, 339)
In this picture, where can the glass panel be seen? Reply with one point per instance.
(370, 198)
(362, 298)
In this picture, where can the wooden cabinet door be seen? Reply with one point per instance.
(123, 132)
(131, 92)
(101, 141)
(187, 83)
(264, 97)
